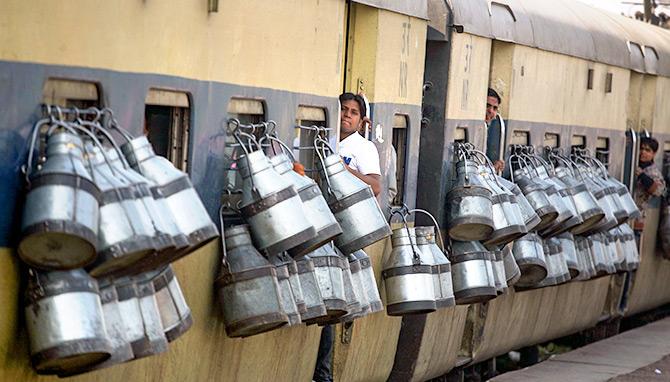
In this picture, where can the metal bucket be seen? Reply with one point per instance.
(472, 272)
(59, 227)
(529, 255)
(247, 287)
(65, 323)
(175, 187)
(314, 306)
(408, 278)
(271, 206)
(314, 204)
(354, 206)
(175, 314)
(369, 281)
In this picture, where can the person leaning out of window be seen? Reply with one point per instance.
(649, 182)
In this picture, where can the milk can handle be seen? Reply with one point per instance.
(320, 153)
(437, 226)
(601, 166)
(415, 251)
(223, 235)
(236, 135)
(461, 151)
(95, 140)
(27, 167)
(115, 124)
(568, 166)
(487, 162)
(547, 164)
(284, 147)
(96, 125)
(509, 164)
(528, 158)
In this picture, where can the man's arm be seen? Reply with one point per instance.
(373, 180)
(653, 183)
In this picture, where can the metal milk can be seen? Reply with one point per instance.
(538, 199)
(351, 297)
(472, 272)
(530, 218)
(153, 201)
(315, 206)
(408, 280)
(512, 270)
(314, 306)
(529, 255)
(175, 186)
(359, 290)
(288, 299)
(328, 270)
(444, 290)
(469, 205)
(153, 340)
(351, 201)
(247, 287)
(271, 206)
(584, 202)
(126, 231)
(65, 323)
(115, 328)
(59, 227)
(369, 281)
(175, 314)
(570, 253)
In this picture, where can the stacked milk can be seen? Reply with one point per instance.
(484, 215)
(417, 273)
(101, 225)
(582, 231)
(297, 257)
(558, 218)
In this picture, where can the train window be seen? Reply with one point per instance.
(71, 93)
(603, 151)
(589, 80)
(166, 124)
(578, 141)
(400, 129)
(552, 140)
(307, 116)
(461, 135)
(246, 111)
(520, 137)
(608, 83)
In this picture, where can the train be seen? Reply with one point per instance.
(568, 74)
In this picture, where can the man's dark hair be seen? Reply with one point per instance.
(649, 141)
(355, 97)
(494, 94)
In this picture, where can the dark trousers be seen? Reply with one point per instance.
(324, 358)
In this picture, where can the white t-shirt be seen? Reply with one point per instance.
(360, 154)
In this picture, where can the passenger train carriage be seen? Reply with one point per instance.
(569, 75)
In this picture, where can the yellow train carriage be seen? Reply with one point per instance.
(179, 70)
(566, 74)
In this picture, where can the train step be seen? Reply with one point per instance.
(642, 354)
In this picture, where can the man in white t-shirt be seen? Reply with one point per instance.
(359, 154)
(361, 158)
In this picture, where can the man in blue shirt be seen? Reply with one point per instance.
(494, 130)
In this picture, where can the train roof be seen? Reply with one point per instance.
(563, 26)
